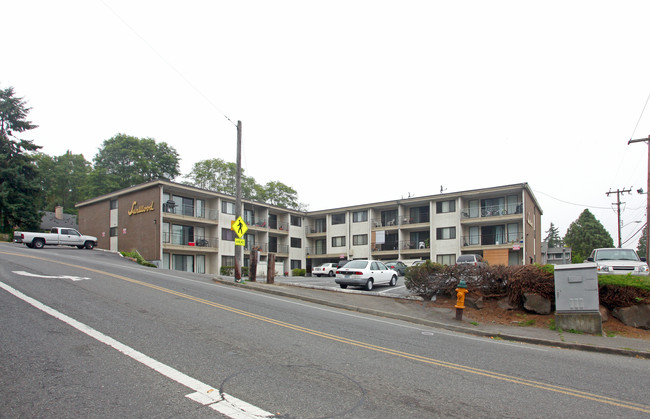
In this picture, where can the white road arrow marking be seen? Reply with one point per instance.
(74, 278)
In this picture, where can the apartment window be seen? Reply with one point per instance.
(338, 218)
(200, 264)
(296, 221)
(249, 216)
(474, 235)
(359, 216)
(445, 206)
(296, 242)
(113, 232)
(320, 247)
(320, 226)
(183, 263)
(227, 207)
(296, 264)
(338, 241)
(200, 208)
(227, 261)
(227, 234)
(446, 233)
(360, 239)
(419, 215)
(446, 259)
(513, 233)
(165, 262)
(388, 218)
(113, 204)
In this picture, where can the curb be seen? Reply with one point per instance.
(439, 325)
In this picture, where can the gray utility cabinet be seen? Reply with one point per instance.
(576, 298)
(576, 287)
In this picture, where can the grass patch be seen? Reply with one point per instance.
(611, 334)
(529, 322)
(629, 280)
(138, 258)
(474, 323)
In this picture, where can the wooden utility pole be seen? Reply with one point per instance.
(647, 208)
(238, 213)
(618, 193)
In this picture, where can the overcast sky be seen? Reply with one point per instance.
(354, 102)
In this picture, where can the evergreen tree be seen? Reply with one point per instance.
(20, 199)
(586, 234)
(641, 249)
(553, 237)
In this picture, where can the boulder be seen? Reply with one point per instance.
(504, 304)
(474, 302)
(537, 304)
(635, 316)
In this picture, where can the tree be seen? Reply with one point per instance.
(586, 234)
(553, 237)
(64, 180)
(19, 189)
(643, 242)
(124, 161)
(278, 194)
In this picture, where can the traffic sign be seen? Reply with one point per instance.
(239, 227)
(240, 242)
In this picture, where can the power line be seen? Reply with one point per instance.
(170, 65)
(571, 203)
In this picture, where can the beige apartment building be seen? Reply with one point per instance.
(181, 227)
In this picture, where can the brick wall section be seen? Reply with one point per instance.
(94, 220)
(140, 231)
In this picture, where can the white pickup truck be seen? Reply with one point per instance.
(57, 236)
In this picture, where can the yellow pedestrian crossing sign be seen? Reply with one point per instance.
(239, 227)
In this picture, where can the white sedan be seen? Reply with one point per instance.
(365, 273)
(328, 269)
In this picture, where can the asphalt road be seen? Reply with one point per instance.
(89, 334)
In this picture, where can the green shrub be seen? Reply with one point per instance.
(298, 272)
(227, 270)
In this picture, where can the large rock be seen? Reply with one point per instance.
(537, 304)
(635, 316)
(474, 302)
(604, 314)
(504, 304)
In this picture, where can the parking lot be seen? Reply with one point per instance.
(325, 282)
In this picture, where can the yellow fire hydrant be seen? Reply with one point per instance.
(460, 299)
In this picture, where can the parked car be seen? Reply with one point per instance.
(328, 269)
(470, 259)
(396, 265)
(58, 236)
(341, 263)
(365, 273)
(615, 261)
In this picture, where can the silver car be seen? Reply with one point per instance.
(616, 261)
(365, 273)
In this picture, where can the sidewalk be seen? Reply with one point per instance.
(406, 309)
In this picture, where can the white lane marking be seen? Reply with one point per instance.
(222, 403)
(74, 278)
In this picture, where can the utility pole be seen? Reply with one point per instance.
(238, 213)
(647, 208)
(618, 193)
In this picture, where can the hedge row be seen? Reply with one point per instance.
(431, 279)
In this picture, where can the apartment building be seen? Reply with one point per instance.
(181, 227)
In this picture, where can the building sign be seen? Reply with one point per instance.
(135, 209)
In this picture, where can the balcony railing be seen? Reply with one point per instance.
(492, 211)
(412, 245)
(275, 248)
(492, 239)
(190, 211)
(183, 240)
(386, 222)
(316, 229)
(385, 246)
(316, 250)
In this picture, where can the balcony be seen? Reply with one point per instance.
(392, 222)
(316, 230)
(492, 211)
(189, 211)
(411, 245)
(275, 248)
(492, 240)
(318, 250)
(192, 243)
